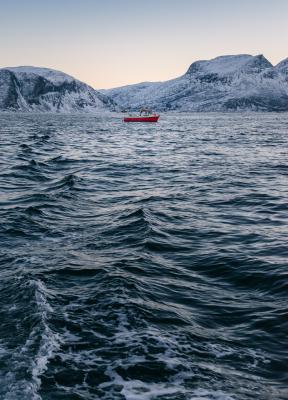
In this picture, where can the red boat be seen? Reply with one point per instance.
(144, 116)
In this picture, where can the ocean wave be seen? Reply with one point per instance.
(143, 262)
(29, 360)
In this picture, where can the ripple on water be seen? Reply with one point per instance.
(143, 262)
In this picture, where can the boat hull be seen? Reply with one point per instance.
(152, 118)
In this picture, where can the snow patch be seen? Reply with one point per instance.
(51, 75)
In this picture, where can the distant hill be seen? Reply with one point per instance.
(47, 90)
(226, 83)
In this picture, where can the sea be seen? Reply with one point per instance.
(144, 261)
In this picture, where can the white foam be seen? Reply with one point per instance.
(138, 390)
(220, 351)
(49, 343)
(204, 394)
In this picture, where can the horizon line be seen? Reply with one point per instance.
(144, 81)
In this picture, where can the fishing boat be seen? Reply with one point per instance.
(150, 118)
(145, 115)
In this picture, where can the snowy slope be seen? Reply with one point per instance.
(282, 67)
(56, 77)
(47, 90)
(240, 82)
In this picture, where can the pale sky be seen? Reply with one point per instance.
(109, 43)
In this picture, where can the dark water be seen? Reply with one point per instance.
(144, 262)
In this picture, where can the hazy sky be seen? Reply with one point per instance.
(109, 43)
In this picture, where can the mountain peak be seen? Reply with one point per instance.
(226, 83)
(259, 62)
(52, 75)
(42, 89)
(229, 64)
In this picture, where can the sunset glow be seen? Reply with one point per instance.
(113, 43)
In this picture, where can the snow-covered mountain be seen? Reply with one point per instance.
(238, 82)
(47, 90)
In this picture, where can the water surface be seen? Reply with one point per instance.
(143, 262)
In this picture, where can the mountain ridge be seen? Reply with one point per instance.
(226, 83)
(39, 89)
(239, 82)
